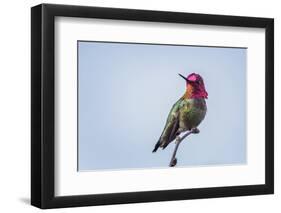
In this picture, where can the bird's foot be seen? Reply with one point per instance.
(195, 130)
(178, 139)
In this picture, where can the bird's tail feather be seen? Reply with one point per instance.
(156, 146)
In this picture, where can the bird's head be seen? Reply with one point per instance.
(195, 87)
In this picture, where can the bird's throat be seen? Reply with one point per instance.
(188, 92)
(192, 92)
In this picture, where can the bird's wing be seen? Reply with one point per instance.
(172, 124)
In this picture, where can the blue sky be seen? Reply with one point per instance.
(127, 90)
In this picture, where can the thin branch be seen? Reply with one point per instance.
(173, 161)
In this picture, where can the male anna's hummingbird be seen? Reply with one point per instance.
(187, 113)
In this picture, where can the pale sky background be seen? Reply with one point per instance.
(127, 90)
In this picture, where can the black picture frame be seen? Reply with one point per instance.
(43, 110)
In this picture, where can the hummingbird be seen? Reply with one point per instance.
(187, 113)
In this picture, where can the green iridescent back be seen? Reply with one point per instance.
(184, 115)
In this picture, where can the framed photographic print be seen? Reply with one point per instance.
(139, 106)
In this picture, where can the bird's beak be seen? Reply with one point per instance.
(184, 77)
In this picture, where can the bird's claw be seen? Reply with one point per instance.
(195, 130)
(178, 139)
